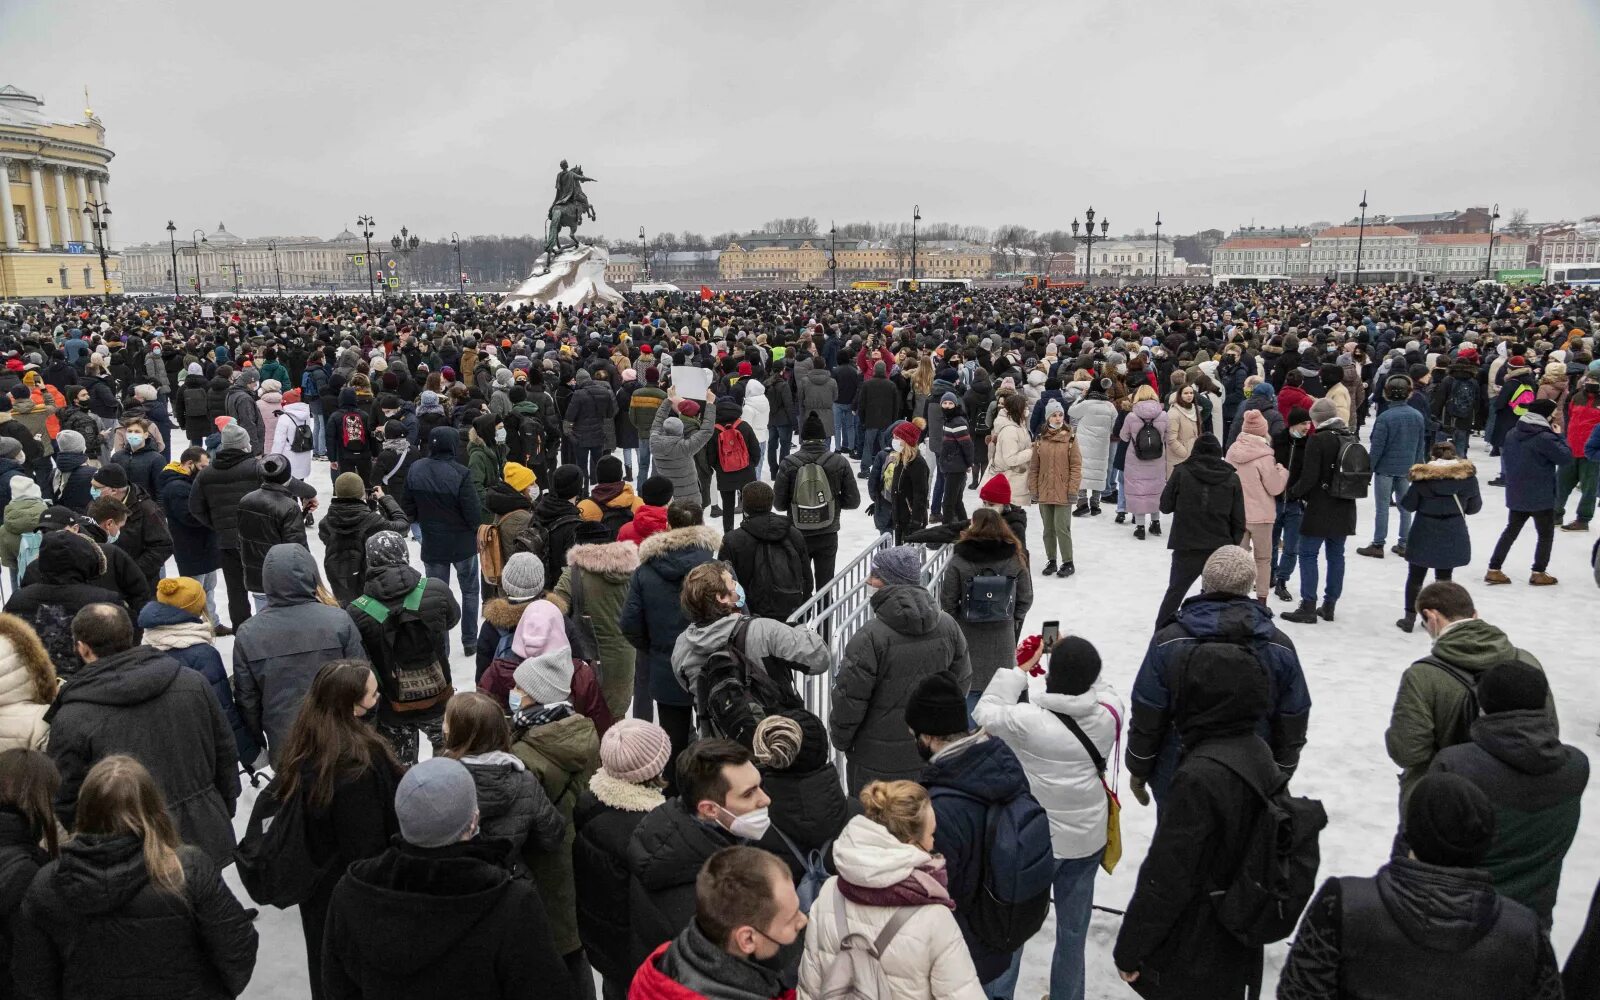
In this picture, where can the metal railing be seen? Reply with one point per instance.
(843, 605)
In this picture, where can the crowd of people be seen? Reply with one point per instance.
(632, 788)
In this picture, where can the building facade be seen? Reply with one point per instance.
(623, 269)
(1465, 256)
(1262, 255)
(1382, 250)
(1130, 258)
(804, 259)
(1471, 220)
(221, 261)
(51, 169)
(1569, 244)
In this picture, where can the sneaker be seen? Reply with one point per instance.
(1495, 576)
(1578, 525)
(1049, 567)
(1373, 551)
(1543, 580)
(1066, 570)
(1155, 527)
(1399, 549)
(1138, 532)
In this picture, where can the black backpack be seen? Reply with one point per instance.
(1462, 403)
(781, 570)
(1278, 872)
(733, 693)
(991, 596)
(408, 655)
(531, 430)
(274, 860)
(1147, 444)
(301, 442)
(614, 518)
(1352, 469)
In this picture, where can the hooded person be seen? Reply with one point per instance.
(271, 515)
(72, 475)
(439, 911)
(595, 586)
(441, 500)
(556, 513)
(277, 654)
(68, 570)
(350, 520)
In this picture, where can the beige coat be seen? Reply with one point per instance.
(23, 661)
(1183, 429)
(1010, 456)
(1056, 469)
(1339, 396)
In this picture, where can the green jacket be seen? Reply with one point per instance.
(21, 516)
(642, 407)
(1430, 707)
(1536, 784)
(563, 755)
(605, 570)
(487, 463)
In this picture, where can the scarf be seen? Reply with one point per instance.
(179, 636)
(928, 885)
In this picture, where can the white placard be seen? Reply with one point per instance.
(691, 382)
(206, 312)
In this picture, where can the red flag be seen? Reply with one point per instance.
(705, 293)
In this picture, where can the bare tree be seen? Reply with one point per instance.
(1519, 221)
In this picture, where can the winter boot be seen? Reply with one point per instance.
(1373, 551)
(1049, 567)
(1326, 611)
(1138, 532)
(1280, 590)
(1081, 510)
(1122, 517)
(1155, 526)
(1110, 496)
(1542, 579)
(1305, 614)
(1066, 570)
(1498, 481)
(1094, 507)
(1495, 576)
(1578, 525)
(1407, 623)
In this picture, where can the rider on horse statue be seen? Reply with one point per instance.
(567, 211)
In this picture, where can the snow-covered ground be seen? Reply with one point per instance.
(1351, 665)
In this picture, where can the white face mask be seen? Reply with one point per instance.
(753, 825)
(500, 436)
(514, 701)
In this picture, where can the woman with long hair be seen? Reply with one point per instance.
(991, 613)
(28, 838)
(512, 805)
(347, 775)
(888, 874)
(129, 910)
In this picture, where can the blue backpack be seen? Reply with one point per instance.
(1017, 867)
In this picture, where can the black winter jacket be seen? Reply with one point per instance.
(878, 403)
(440, 497)
(344, 531)
(1326, 516)
(665, 855)
(513, 807)
(189, 406)
(59, 584)
(218, 489)
(146, 538)
(1207, 503)
(21, 857)
(389, 585)
(841, 477)
(768, 554)
(267, 516)
(193, 543)
(93, 926)
(605, 817)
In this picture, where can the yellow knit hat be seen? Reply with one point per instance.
(182, 593)
(519, 477)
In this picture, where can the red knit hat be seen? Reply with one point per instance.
(907, 432)
(996, 490)
(744, 368)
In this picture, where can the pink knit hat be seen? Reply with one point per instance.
(634, 750)
(1255, 423)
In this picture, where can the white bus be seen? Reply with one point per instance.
(1573, 274)
(932, 284)
(1221, 280)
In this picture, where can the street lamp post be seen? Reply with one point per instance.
(1089, 239)
(277, 272)
(97, 211)
(405, 243)
(172, 240)
(916, 217)
(1157, 280)
(196, 238)
(644, 254)
(1488, 261)
(365, 222)
(833, 263)
(461, 276)
(1361, 236)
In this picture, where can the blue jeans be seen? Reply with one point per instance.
(844, 427)
(1462, 440)
(467, 577)
(1308, 548)
(1286, 535)
(588, 459)
(871, 441)
(643, 468)
(319, 430)
(1074, 896)
(1384, 487)
(208, 582)
(780, 438)
(936, 495)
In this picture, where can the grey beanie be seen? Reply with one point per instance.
(1053, 406)
(900, 565)
(235, 437)
(69, 441)
(546, 678)
(1323, 409)
(673, 426)
(522, 577)
(436, 803)
(1228, 570)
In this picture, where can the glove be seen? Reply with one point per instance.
(1140, 792)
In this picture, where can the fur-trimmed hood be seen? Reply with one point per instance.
(1455, 468)
(503, 614)
(697, 536)
(23, 660)
(619, 794)
(616, 560)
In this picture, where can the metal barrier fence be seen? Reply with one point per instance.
(844, 604)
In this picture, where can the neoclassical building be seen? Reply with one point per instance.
(53, 167)
(221, 261)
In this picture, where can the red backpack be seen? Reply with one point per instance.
(353, 431)
(733, 453)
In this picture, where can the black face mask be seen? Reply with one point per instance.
(925, 751)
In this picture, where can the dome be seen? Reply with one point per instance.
(345, 237)
(223, 236)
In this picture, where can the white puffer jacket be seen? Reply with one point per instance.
(1060, 772)
(1011, 456)
(22, 725)
(927, 958)
(757, 410)
(1092, 420)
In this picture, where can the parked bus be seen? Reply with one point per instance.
(1236, 280)
(1573, 274)
(869, 286)
(932, 284)
(1036, 282)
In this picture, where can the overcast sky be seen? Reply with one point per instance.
(296, 116)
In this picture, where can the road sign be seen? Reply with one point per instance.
(394, 282)
(358, 258)
(391, 265)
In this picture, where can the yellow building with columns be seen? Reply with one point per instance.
(52, 168)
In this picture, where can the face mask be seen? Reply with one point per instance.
(1297, 434)
(135, 441)
(500, 436)
(751, 826)
(514, 701)
(924, 751)
(94, 492)
(738, 590)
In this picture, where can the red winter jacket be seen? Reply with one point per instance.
(1582, 418)
(647, 521)
(650, 983)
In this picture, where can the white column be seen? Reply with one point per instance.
(63, 210)
(41, 218)
(83, 199)
(7, 223)
(98, 184)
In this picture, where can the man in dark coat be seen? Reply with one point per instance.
(349, 437)
(1427, 925)
(136, 700)
(189, 406)
(145, 536)
(822, 544)
(194, 544)
(1172, 944)
(1533, 453)
(270, 515)
(1221, 623)
(439, 913)
(877, 406)
(1329, 521)
(1206, 502)
(214, 502)
(441, 500)
(768, 555)
(589, 417)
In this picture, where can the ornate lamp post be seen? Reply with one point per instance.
(916, 217)
(833, 264)
(1361, 236)
(365, 222)
(1488, 262)
(406, 244)
(97, 211)
(1157, 280)
(277, 273)
(196, 238)
(1089, 240)
(172, 241)
(461, 276)
(644, 254)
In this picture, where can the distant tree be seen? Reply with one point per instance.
(1519, 221)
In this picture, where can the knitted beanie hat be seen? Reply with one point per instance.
(522, 577)
(348, 486)
(1228, 570)
(183, 593)
(635, 751)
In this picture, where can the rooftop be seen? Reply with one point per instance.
(1467, 239)
(1426, 217)
(20, 109)
(1260, 243)
(1338, 232)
